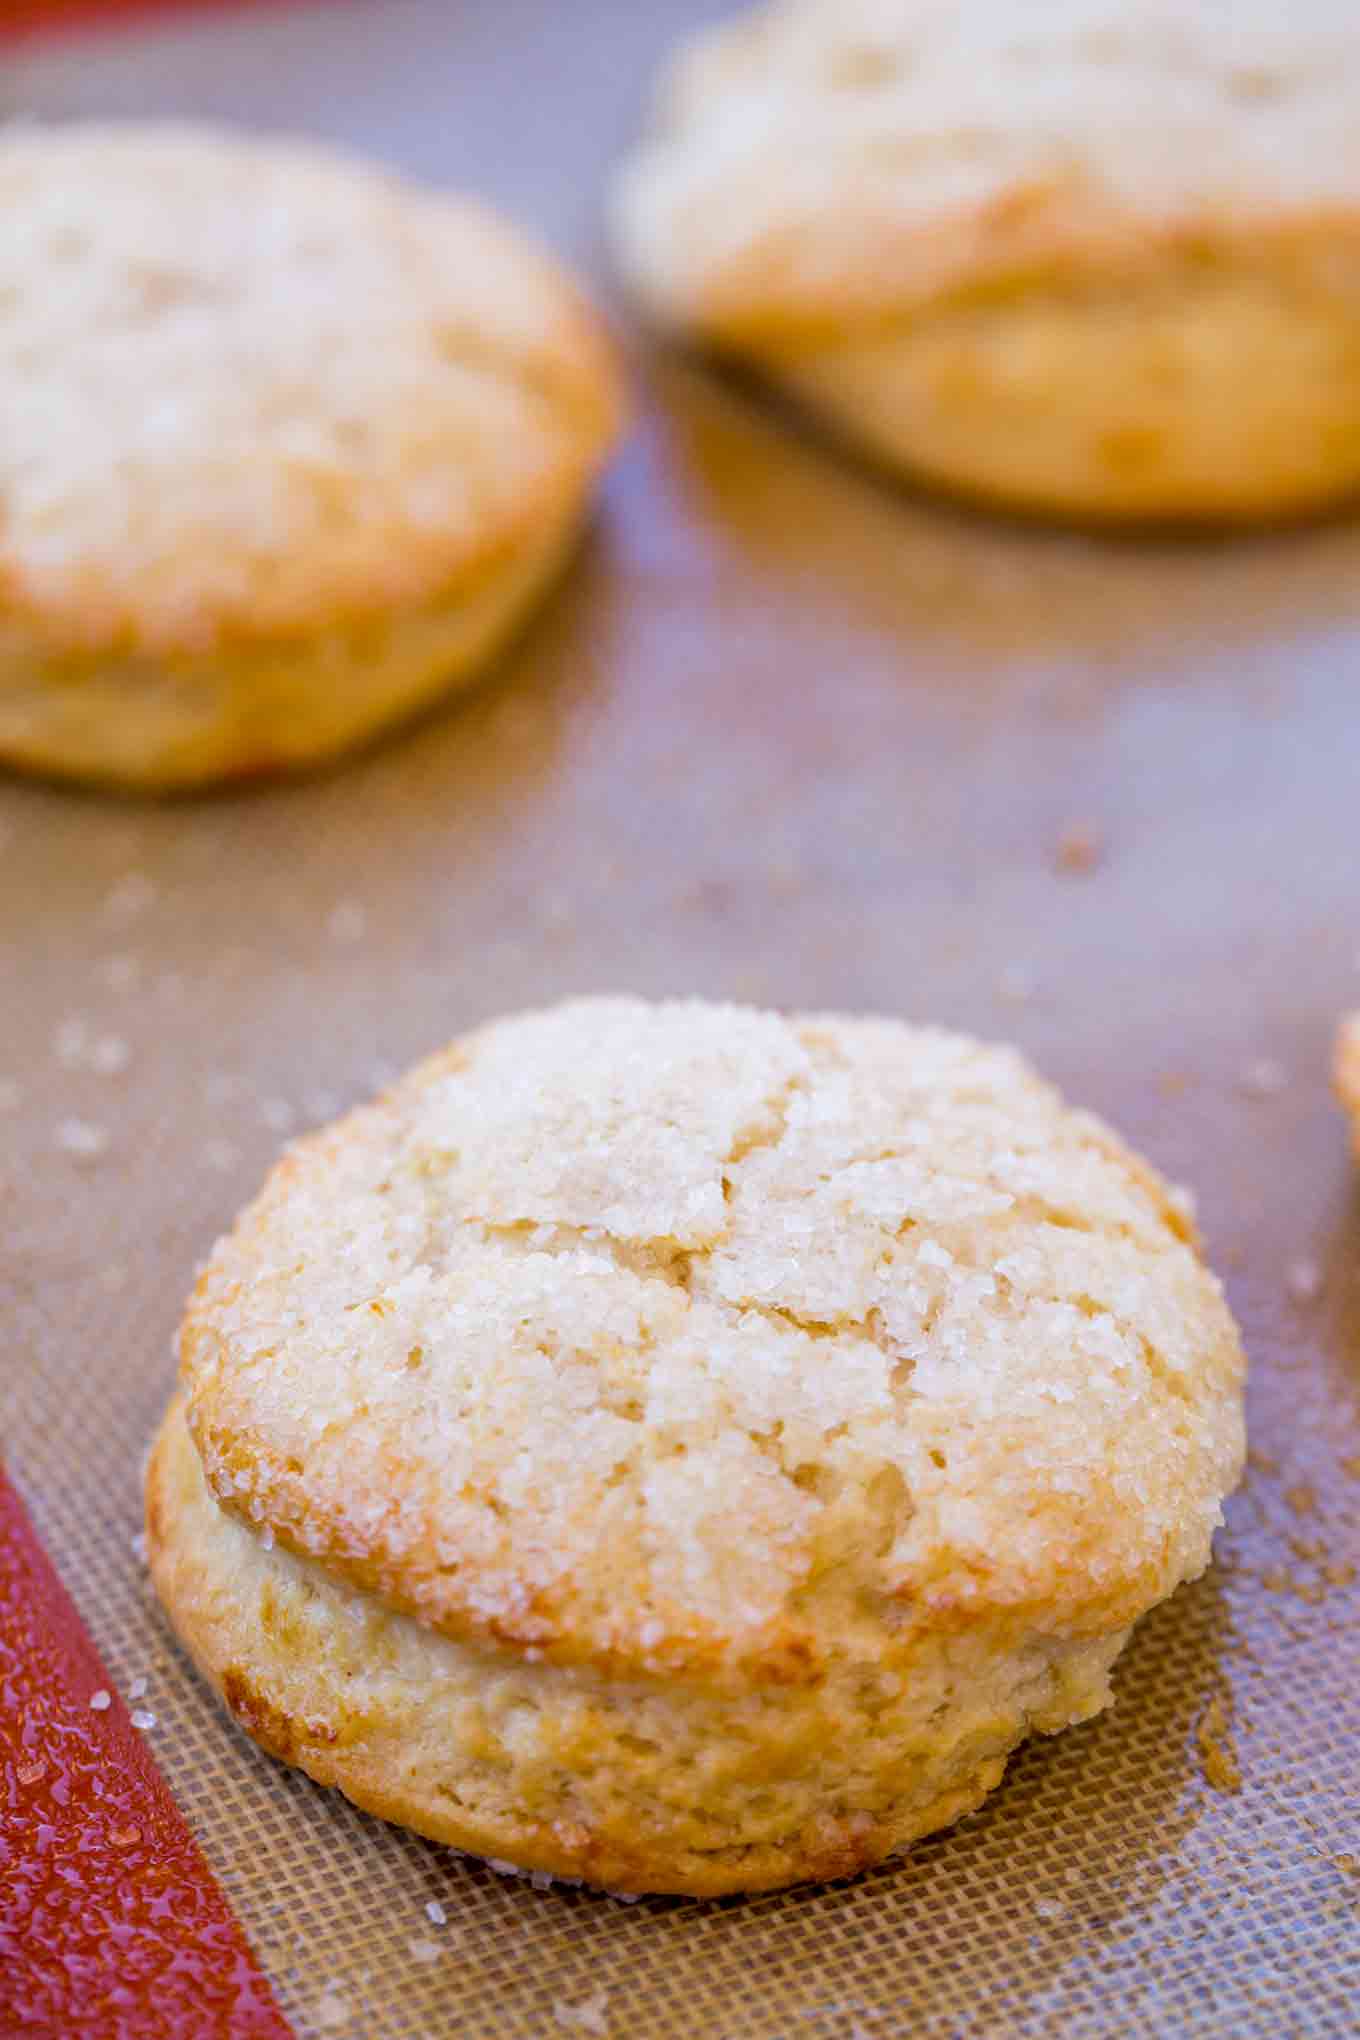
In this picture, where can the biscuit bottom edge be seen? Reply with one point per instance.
(1223, 400)
(146, 724)
(635, 1787)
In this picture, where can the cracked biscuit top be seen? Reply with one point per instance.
(249, 388)
(691, 1337)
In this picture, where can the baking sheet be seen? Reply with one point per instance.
(788, 734)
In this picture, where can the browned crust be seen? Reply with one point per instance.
(826, 1849)
(1076, 1588)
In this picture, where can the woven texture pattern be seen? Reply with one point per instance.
(782, 736)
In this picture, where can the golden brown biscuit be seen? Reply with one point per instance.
(287, 446)
(685, 1448)
(1077, 257)
(1347, 1070)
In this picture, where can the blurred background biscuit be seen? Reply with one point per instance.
(1075, 257)
(288, 446)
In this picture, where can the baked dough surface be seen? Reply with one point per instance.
(732, 1433)
(271, 421)
(1074, 257)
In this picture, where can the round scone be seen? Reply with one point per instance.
(1093, 257)
(287, 446)
(685, 1448)
(1347, 1070)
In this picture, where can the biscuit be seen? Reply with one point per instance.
(287, 447)
(1077, 257)
(685, 1448)
(1347, 1071)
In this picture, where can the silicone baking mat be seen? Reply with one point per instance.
(786, 734)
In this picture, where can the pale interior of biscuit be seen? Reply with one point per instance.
(1220, 395)
(656, 1784)
(234, 712)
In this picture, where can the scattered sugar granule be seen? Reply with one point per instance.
(1080, 849)
(80, 1137)
(346, 921)
(130, 897)
(1263, 1077)
(109, 1055)
(590, 2016)
(435, 1913)
(77, 1047)
(142, 1717)
(68, 1043)
(332, 2010)
(11, 1095)
(219, 1154)
(136, 1689)
(1303, 1280)
(424, 1951)
(139, 1547)
(100, 1700)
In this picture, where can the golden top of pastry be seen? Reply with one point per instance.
(820, 163)
(248, 387)
(691, 1337)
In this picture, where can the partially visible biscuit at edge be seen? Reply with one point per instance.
(289, 445)
(686, 1448)
(1346, 1068)
(1080, 257)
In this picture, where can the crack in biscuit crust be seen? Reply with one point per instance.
(693, 1339)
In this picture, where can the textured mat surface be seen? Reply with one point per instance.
(788, 735)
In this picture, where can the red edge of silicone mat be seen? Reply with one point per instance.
(111, 1923)
(28, 18)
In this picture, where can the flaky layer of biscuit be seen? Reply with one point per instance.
(693, 1338)
(1069, 259)
(161, 725)
(635, 1785)
(252, 391)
